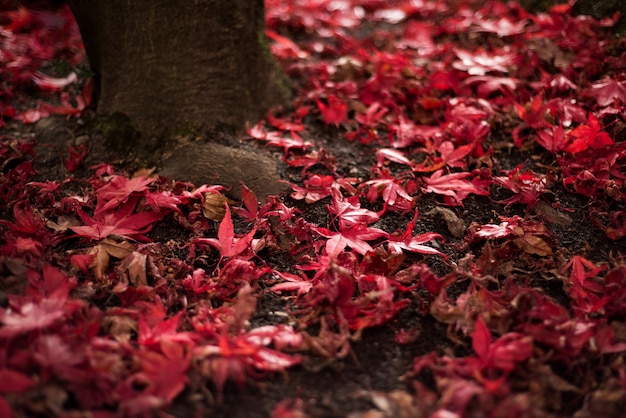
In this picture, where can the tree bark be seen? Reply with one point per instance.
(174, 65)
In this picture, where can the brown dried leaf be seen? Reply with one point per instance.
(121, 328)
(213, 206)
(455, 225)
(117, 249)
(133, 269)
(550, 52)
(533, 244)
(545, 210)
(63, 223)
(106, 249)
(396, 404)
(100, 261)
(147, 172)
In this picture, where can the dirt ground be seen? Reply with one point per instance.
(421, 362)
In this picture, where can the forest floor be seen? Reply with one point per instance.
(451, 245)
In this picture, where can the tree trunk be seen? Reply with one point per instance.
(173, 65)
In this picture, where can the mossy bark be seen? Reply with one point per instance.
(171, 64)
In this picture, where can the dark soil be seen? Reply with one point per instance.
(373, 379)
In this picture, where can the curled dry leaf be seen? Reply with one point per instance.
(552, 215)
(132, 269)
(396, 404)
(455, 225)
(213, 206)
(103, 252)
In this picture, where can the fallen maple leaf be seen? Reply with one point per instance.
(226, 243)
(527, 186)
(161, 376)
(406, 240)
(122, 223)
(292, 282)
(285, 47)
(387, 188)
(553, 139)
(456, 185)
(14, 381)
(588, 136)
(481, 62)
(35, 315)
(118, 190)
(502, 354)
(335, 112)
(349, 211)
(355, 237)
(415, 244)
(501, 27)
(608, 90)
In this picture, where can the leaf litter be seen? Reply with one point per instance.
(452, 245)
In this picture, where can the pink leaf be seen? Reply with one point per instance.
(607, 90)
(53, 84)
(119, 190)
(12, 381)
(456, 185)
(481, 339)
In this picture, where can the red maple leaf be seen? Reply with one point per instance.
(553, 139)
(118, 190)
(415, 244)
(315, 188)
(386, 187)
(335, 112)
(122, 222)
(226, 243)
(406, 241)
(250, 209)
(607, 90)
(390, 154)
(292, 282)
(501, 27)
(162, 331)
(507, 228)
(488, 85)
(581, 273)
(349, 211)
(456, 185)
(588, 136)
(160, 378)
(499, 356)
(77, 154)
(355, 237)
(284, 47)
(527, 186)
(32, 315)
(26, 221)
(534, 114)
(163, 201)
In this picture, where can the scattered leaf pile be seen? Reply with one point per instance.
(453, 162)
